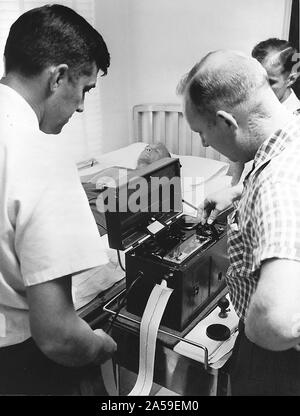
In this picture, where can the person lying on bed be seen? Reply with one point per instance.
(150, 154)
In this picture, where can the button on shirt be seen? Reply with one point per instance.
(47, 229)
(266, 223)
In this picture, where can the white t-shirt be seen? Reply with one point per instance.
(47, 228)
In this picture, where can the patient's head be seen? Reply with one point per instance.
(152, 153)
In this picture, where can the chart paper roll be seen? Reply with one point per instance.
(150, 322)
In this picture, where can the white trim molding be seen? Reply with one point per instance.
(287, 19)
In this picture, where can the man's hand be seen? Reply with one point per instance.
(58, 330)
(217, 202)
(109, 346)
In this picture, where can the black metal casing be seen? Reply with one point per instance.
(195, 282)
(126, 228)
(197, 279)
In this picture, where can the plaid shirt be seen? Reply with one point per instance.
(266, 222)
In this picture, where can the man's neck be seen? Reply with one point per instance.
(260, 128)
(26, 87)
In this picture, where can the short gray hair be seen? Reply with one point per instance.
(222, 80)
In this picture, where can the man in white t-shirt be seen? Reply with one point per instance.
(277, 57)
(48, 234)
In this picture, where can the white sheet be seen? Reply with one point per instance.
(200, 176)
(201, 169)
(88, 284)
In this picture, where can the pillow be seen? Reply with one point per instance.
(195, 195)
(200, 177)
(201, 169)
(125, 156)
(198, 168)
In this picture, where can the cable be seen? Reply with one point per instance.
(120, 263)
(139, 276)
(189, 204)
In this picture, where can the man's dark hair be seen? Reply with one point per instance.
(264, 48)
(54, 35)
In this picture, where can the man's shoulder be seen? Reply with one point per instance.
(17, 116)
(33, 158)
(287, 156)
(285, 167)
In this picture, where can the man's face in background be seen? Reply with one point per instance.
(278, 78)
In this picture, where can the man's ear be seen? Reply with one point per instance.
(292, 78)
(58, 75)
(227, 120)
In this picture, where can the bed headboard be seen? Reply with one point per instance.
(165, 123)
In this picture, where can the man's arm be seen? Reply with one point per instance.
(273, 318)
(59, 332)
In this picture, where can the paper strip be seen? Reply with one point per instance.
(150, 322)
(2, 325)
(108, 376)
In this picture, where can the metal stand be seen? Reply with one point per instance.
(117, 298)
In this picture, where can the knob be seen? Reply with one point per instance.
(223, 304)
(218, 332)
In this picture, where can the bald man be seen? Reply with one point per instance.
(229, 102)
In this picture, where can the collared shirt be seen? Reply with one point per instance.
(292, 103)
(47, 229)
(266, 223)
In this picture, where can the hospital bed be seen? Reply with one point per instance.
(203, 171)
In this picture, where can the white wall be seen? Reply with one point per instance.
(112, 21)
(154, 42)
